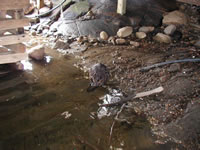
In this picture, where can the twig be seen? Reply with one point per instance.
(116, 118)
(168, 62)
(131, 97)
(87, 143)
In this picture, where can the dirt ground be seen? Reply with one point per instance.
(181, 82)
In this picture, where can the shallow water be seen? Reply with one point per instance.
(47, 107)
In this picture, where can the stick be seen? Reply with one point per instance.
(168, 62)
(131, 97)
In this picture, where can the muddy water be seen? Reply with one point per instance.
(47, 108)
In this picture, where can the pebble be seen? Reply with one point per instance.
(146, 29)
(124, 32)
(103, 35)
(141, 35)
(61, 45)
(135, 44)
(170, 29)
(162, 38)
(120, 41)
(33, 33)
(111, 40)
(174, 67)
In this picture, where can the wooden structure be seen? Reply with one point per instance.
(12, 34)
(121, 7)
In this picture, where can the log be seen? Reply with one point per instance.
(13, 23)
(13, 58)
(13, 39)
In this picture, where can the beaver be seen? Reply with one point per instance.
(98, 75)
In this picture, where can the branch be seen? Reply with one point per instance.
(131, 97)
(168, 62)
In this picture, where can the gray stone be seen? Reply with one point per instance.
(104, 35)
(125, 32)
(170, 29)
(37, 52)
(197, 44)
(175, 17)
(61, 45)
(146, 29)
(135, 44)
(174, 68)
(120, 41)
(140, 35)
(162, 38)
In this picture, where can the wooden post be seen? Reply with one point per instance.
(121, 7)
(40, 4)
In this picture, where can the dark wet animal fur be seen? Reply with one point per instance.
(98, 76)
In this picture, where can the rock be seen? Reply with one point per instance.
(103, 35)
(140, 35)
(162, 38)
(44, 10)
(35, 26)
(61, 45)
(33, 33)
(111, 40)
(37, 52)
(92, 40)
(146, 29)
(54, 30)
(80, 39)
(125, 32)
(197, 44)
(174, 68)
(135, 44)
(120, 41)
(170, 29)
(45, 31)
(175, 17)
(48, 3)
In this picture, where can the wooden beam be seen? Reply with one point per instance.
(193, 2)
(13, 58)
(13, 39)
(40, 4)
(13, 23)
(121, 7)
(13, 4)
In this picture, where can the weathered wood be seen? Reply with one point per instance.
(13, 58)
(40, 4)
(13, 4)
(13, 23)
(17, 48)
(13, 39)
(193, 2)
(121, 7)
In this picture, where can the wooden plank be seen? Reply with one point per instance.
(13, 23)
(13, 4)
(17, 48)
(13, 58)
(13, 39)
(193, 2)
(121, 7)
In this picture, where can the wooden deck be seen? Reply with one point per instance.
(12, 35)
